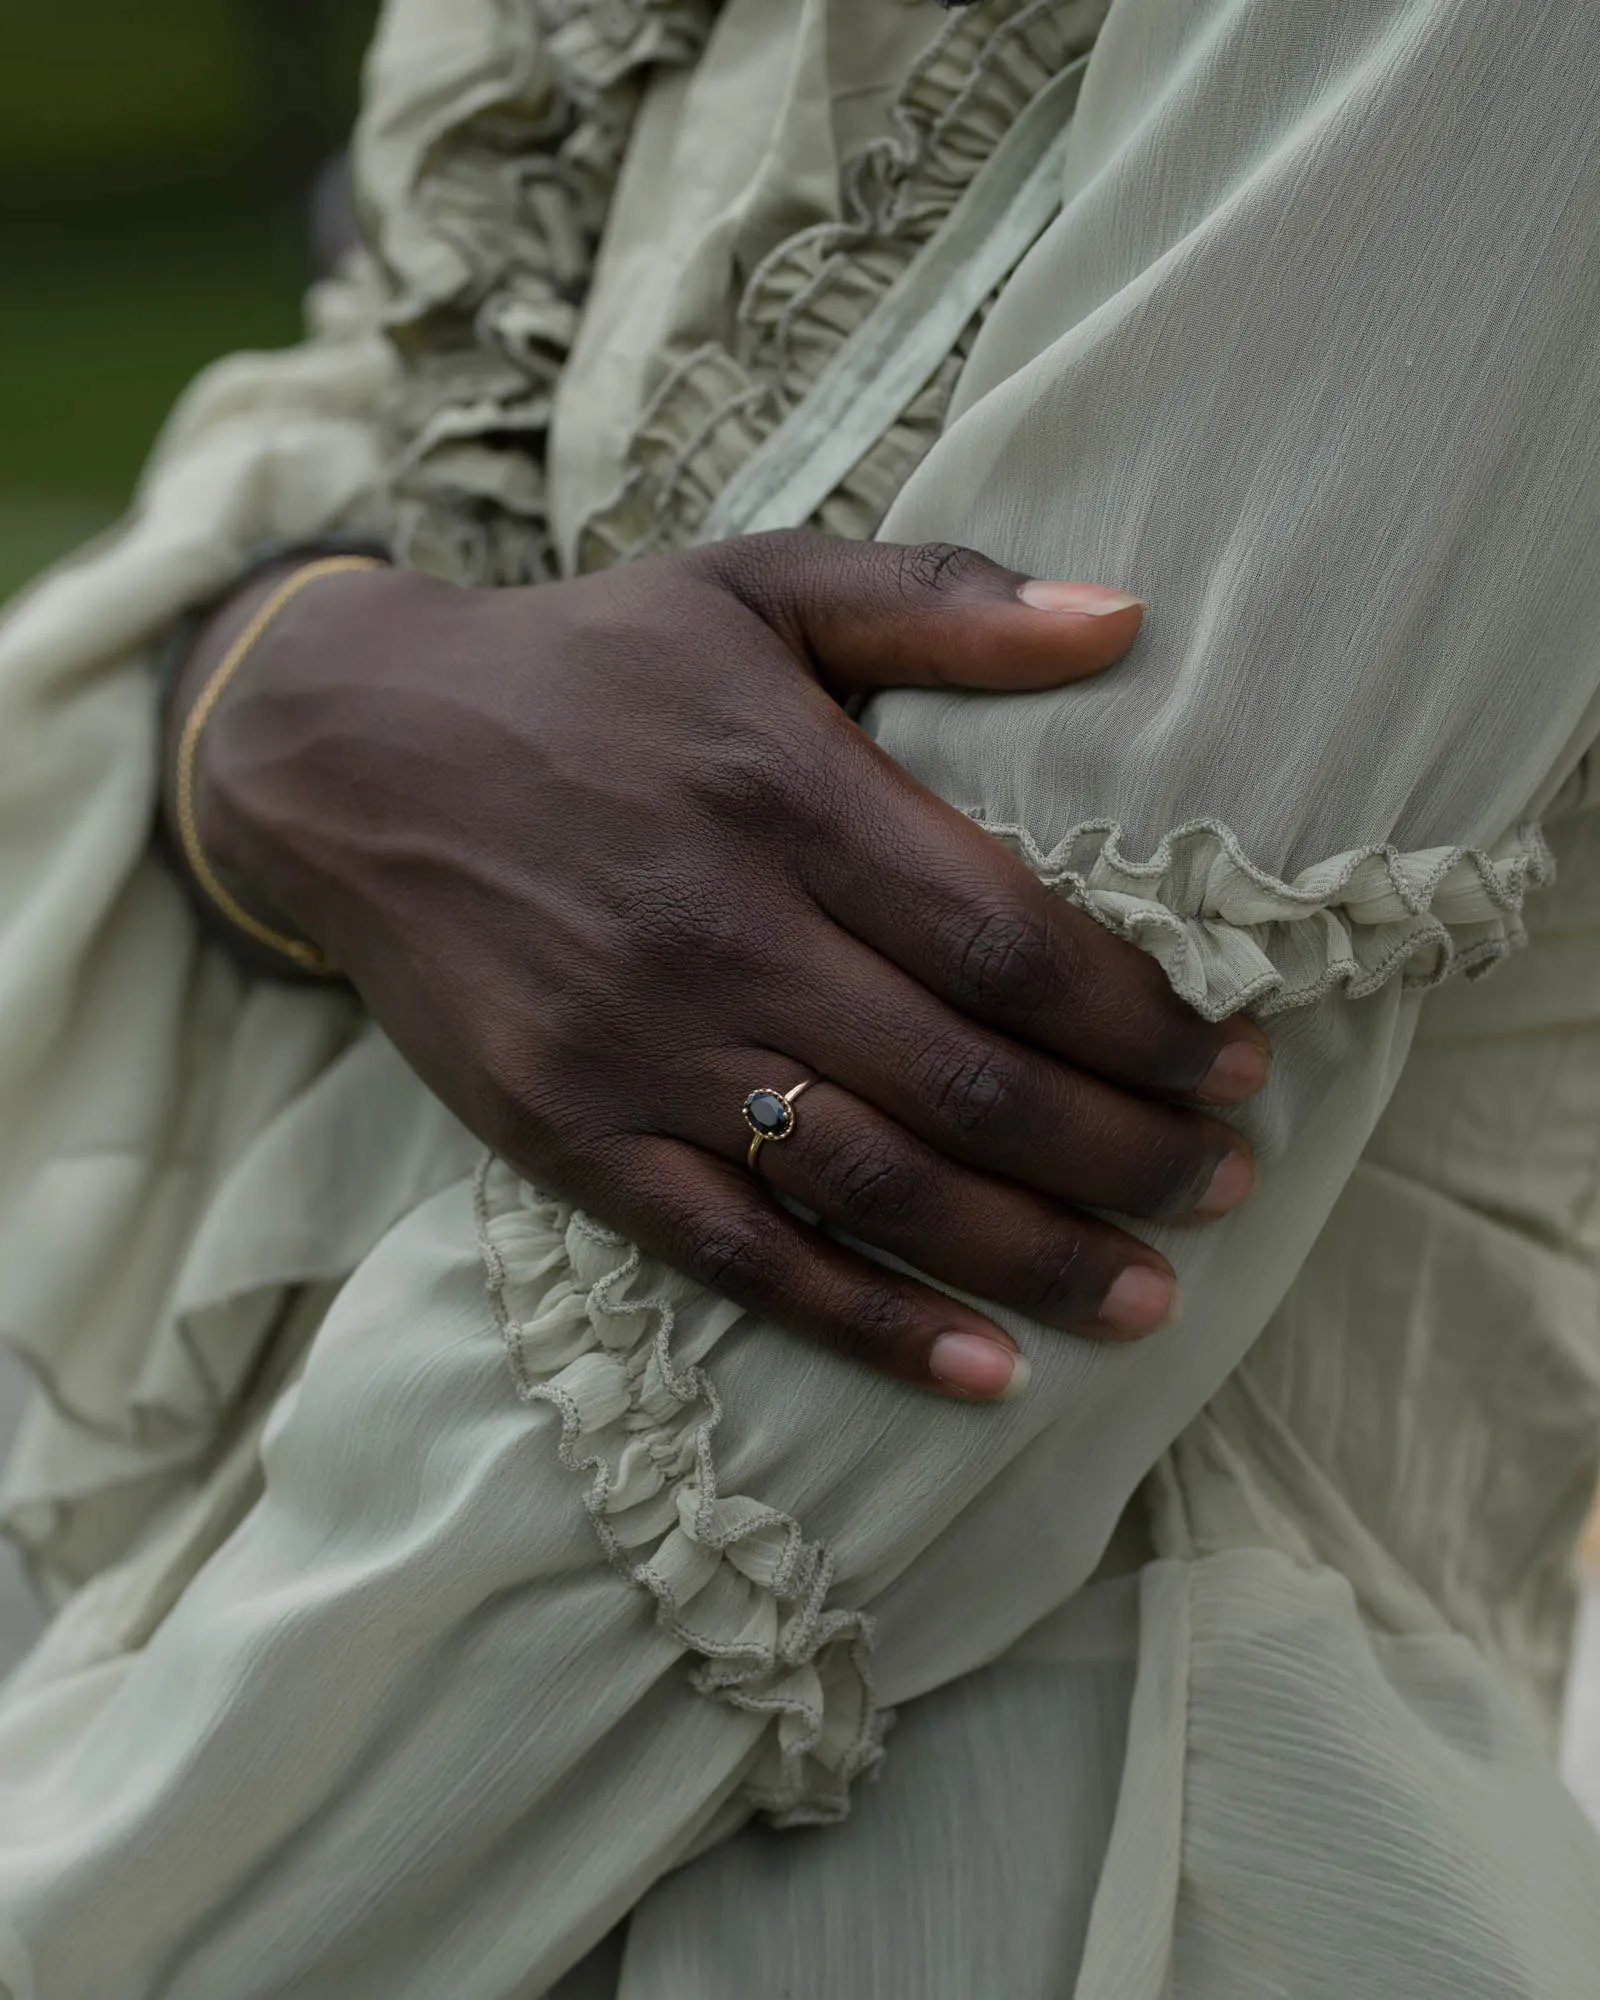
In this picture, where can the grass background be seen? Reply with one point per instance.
(154, 166)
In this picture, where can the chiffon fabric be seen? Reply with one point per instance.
(453, 1599)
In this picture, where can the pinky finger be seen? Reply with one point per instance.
(713, 1222)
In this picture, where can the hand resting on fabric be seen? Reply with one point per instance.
(605, 856)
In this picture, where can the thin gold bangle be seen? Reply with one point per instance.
(300, 951)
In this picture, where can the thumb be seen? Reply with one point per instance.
(924, 614)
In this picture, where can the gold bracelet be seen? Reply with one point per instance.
(300, 951)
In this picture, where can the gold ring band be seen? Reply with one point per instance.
(770, 1116)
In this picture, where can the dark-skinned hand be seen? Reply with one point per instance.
(602, 857)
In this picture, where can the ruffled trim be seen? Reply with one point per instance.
(734, 1580)
(719, 405)
(495, 232)
(493, 239)
(1230, 935)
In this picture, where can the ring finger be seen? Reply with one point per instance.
(856, 1168)
(997, 1105)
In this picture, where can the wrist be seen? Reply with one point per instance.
(246, 707)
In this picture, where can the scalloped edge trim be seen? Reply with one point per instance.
(734, 1581)
(1229, 934)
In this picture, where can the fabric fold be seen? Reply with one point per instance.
(134, 1403)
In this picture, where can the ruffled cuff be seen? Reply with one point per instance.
(1228, 934)
(734, 1581)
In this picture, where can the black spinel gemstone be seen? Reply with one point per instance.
(767, 1113)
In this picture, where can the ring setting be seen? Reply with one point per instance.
(770, 1116)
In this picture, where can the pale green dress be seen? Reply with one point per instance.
(448, 1595)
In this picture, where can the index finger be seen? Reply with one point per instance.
(930, 890)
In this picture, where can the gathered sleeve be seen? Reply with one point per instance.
(137, 1066)
(1307, 360)
(142, 1258)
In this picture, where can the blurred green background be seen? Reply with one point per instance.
(155, 169)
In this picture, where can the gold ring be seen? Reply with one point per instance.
(770, 1116)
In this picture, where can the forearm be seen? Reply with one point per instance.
(1370, 653)
(1318, 386)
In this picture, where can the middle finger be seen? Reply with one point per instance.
(991, 1238)
(994, 1103)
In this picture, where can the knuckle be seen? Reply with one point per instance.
(771, 573)
(511, 1081)
(689, 927)
(535, 1101)
(974, 1089)
(731, 1254)
(785, 553)
(933, 569)
(1171, 1169)
(874, 1327)
(1005, 961)
(866, 1182)
(1058, 1280)
(743, 778)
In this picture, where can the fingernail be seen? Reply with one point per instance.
(1140, 1300)
(1089, 600)
(978, 1367)
(1229, 1185)
(1239, 1071)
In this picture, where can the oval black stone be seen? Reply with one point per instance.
(766, 1113)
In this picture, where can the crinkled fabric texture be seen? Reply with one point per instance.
(1383, 1751)
(715, 401)
(486, 161)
